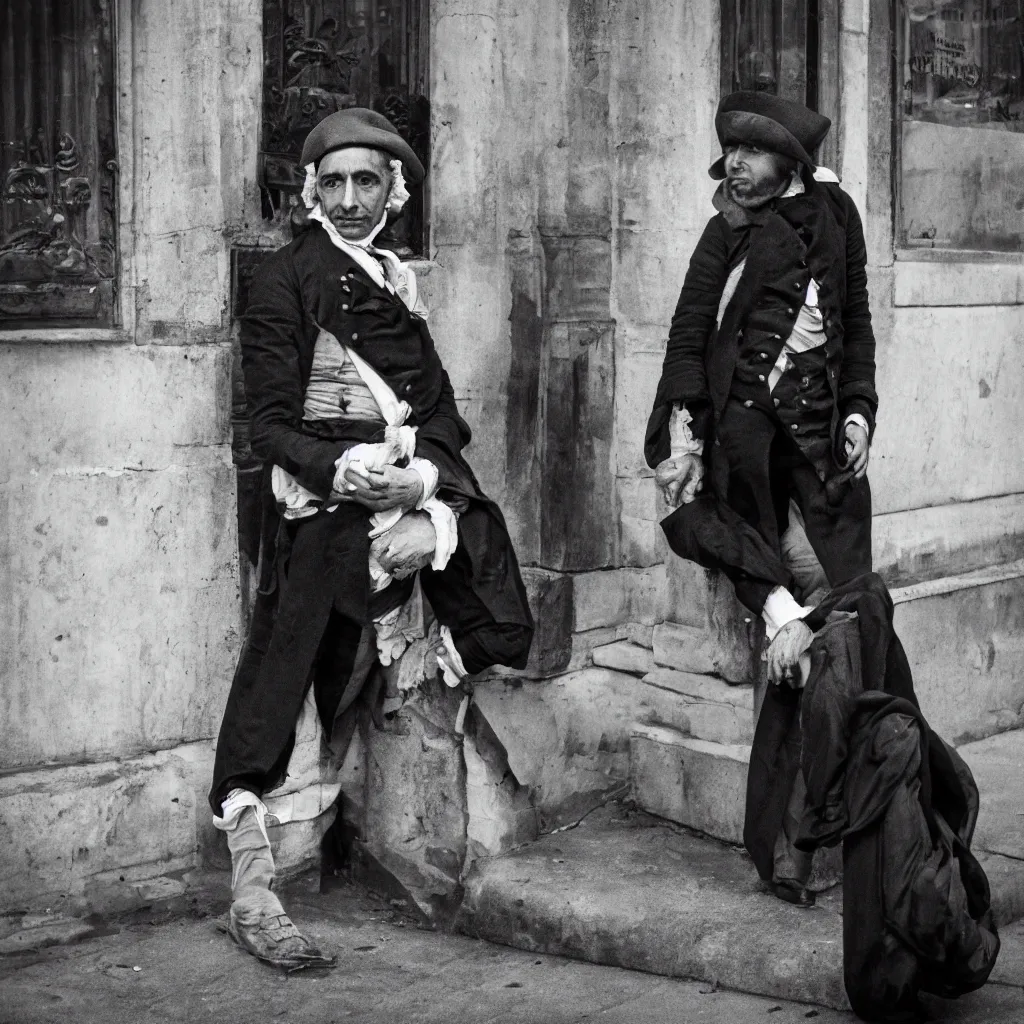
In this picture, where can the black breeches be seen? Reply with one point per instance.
(737, 525)
(258, 729)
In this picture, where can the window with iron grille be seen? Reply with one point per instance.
(58, 217)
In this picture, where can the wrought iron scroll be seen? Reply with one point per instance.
(57, 163)
(324, 56)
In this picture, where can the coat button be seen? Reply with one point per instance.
(789, 311)
(748, 404)
(798, 286)
(794, 426)
(760, 377)
(777, 337)
(804, 402)
(739, 335)
(345, 288)
(355, 336)
(763, 355)
(805, 381)
(344, 306)
(776, 402)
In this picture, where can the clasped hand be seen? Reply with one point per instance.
(679, 479)
(384, 489)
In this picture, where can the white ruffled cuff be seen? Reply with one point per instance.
(428, 474)
(681, 439)
(780, 608)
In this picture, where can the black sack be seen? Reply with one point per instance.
(916, 904)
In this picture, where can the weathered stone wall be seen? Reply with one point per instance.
(570, 140)
(119, 614)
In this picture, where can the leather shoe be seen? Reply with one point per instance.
(793, 892)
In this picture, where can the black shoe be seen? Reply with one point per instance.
(793, 892)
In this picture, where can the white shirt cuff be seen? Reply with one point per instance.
(681, 439)
(780, 608)
(429, 475)
(856, 417)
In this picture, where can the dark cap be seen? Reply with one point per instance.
(771, 122)
(358, 126)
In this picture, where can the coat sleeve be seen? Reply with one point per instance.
(683, 374)
(857, 375)
(272, 329)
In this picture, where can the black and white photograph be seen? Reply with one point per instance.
(511, 511)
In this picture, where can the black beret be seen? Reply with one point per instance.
(771, 122)
(358, 126)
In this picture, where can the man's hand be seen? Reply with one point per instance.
(857, 448)
(679, 479)
(382, 491)
(407, 546)
(785, 650)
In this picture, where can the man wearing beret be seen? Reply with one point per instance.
(766, 404)
(366, 491)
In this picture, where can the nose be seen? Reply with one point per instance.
(734, 160)
(348, 199)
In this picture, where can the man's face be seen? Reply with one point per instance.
(753, 172)
(353, 186)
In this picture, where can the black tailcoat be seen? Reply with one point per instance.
(316, 568)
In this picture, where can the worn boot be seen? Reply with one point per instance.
(256, 920)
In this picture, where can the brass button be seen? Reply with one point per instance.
(777, 337)
(797, 286)
(760, 376)
(789, 310)
(804, 402)
(764, 355)
(805, 381)
(776, 403)
(794, 426)
(355, 336)
(344, 305)
(748, 403)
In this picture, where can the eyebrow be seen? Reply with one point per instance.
(360, 171)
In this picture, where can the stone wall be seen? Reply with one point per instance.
(119, 617)
(570, 140)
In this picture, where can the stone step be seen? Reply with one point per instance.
(707, 651)
(628, 890)
(690, 781)
(998, 767)
(624, 656)
(717, 711)
(964, 638)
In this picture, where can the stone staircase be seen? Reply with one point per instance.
(660, 883)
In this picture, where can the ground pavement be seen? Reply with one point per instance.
(171, 964)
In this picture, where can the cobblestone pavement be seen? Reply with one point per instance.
(165, 965)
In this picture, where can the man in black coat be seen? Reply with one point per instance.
(365, 487)
(767, 397)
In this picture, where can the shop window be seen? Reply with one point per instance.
(57, 163)
(327, 55)
(962, 125)
(789, 48)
